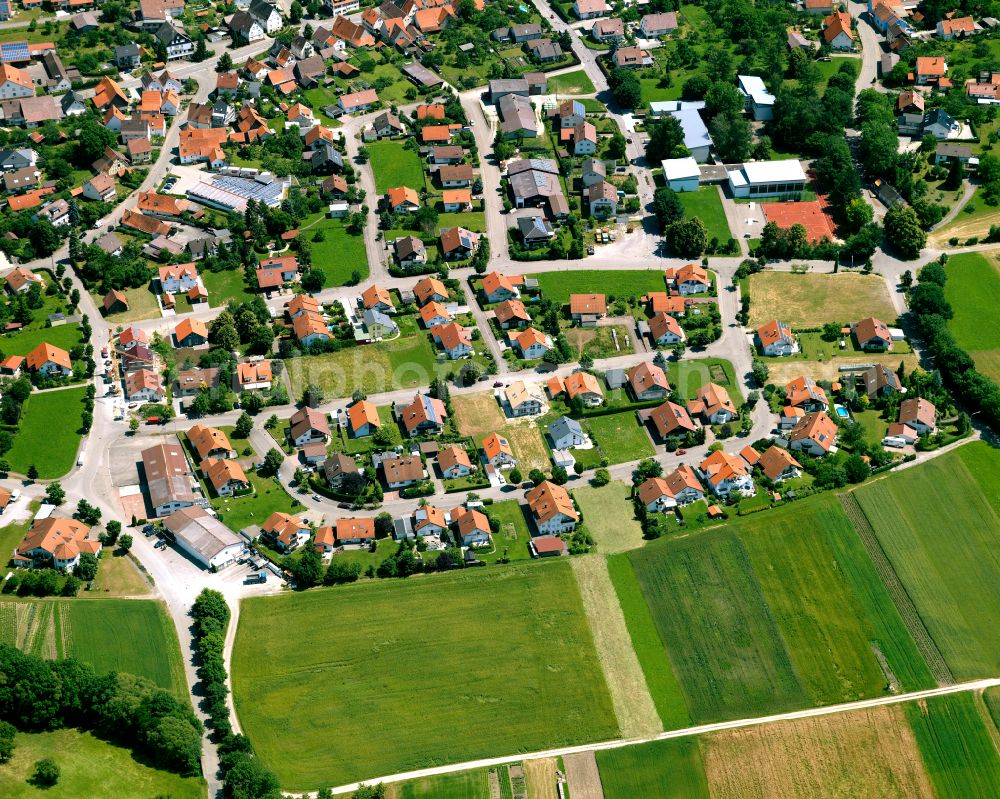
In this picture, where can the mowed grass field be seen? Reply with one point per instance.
(132, 635)
(688, 376)
(765, 616)
(395, 166)
(939, 525)
(49, 446)
(575, 82)
(973, 290)
(706, 204)
(621, 437)
(608, 514)
(88, 767)
(557, 286)
(335, 685)
(812, 299)
(406, 362)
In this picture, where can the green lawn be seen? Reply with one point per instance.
(88, 766)
(939, 525)
(660, 678)
(706, 204)
(957, 750)
(688, 375)
(620, 437)
(513, 536)
(557, 286)
(973, 290)
(340, 254)
(322, 680)
(50, 447)
(268, 496)
(575, 82)
(669, 769)
(225, 287)
(395, 166)
(776, 612)
(406, 362)
(141, 305)
(21, 343)
(609, 516)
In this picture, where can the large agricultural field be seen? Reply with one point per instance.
(939, 526)
(935, 748)
(973, 290)
(960, 754)
(754, 620)
(88, 767)
(132, 635)
(459, 666)
(812, 299)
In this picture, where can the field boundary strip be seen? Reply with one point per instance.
(897, 591)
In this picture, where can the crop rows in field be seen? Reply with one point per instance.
(901, 599)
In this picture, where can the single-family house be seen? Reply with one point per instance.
(49, 360)
(778, 465)
(713, 404)
(671, 419)
(521, 398)
(566, 433)
(308, 426)
(587, 309)
(665, 330)
(919, 414)
(497, 452)
(226, 476)
(726, 474)
(775, 338)
(648, 382)
(532, 343)
(815, 433)
(552, 508)
(285, 531)
(454, 462)
(454, 339)
(471, 527)
(403, 472)
(802, 392)
(584, 386)
(872, 335)
(363, 419)
(144, 385)
(424, 416)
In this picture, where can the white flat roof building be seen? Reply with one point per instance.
(681, 174)
(768, 179)
(658, 108)
(760, 102)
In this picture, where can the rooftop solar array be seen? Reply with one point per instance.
(14, 52)
(230, 191)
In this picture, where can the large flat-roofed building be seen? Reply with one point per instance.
(696, 137)
(202, 536)
(232, 191)
(168, 478)
(768, 179)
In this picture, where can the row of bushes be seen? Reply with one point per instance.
(245, 776)
(38, 695)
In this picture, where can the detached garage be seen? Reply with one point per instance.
(204, 537)
(681, 174)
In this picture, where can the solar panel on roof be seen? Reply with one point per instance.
(13, 52)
